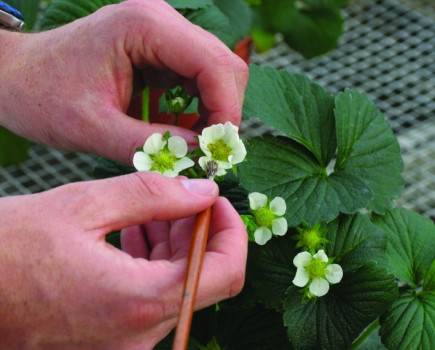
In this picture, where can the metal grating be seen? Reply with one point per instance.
(387, 52)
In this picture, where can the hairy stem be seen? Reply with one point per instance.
(364, 335)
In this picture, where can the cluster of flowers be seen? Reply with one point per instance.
(221, 146)
(167, 154)
(315, 271)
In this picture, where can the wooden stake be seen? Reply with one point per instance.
(194, 263)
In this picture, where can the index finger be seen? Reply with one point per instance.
(194, 53)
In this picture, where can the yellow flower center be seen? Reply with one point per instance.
(264, 217)
(163, 161)
(316, 269)
(219, 150)
(310, 238)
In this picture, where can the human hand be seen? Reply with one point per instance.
(70, 87)
(63, 287)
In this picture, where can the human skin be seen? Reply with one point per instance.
(70, 87)
(64, 287)
(61, 285)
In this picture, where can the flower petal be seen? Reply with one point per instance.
(320, 255)
(230, 127)
(262, 235)
(257, 200)
(238, 153)
(278, 206)
(178, 146)
(279, 226)
(182, 164)
(319, 287)
(142, 161)
(302, 259)
(334, 273)
(212, 133)
(301, 277)
(169, 173)
(154, 143)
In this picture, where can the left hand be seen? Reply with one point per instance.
(70, 87)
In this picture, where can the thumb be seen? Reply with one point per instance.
(122, 135)
(112, 204)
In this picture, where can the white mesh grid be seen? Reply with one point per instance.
(387, 52)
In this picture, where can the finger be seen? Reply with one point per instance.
(226, 252)
(126, 134)
(222, 274)
(158, 238)
(209, 62)
(129, 200)
(133, 242)
(181, 234)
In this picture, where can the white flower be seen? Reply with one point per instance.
(268, 216)
(161, 156)
(315, 270)
(222, 144)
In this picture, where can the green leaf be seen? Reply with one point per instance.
(411, 244)
(13, 148)
(410, 322)
(164, 108)
(355, 240)
(314, 33)
(429, 279)
(239, 14)
(335, 320)
(60, 12)
(106, 168)
(270, 270)
(278, 166)
(216, 22)
(230, 189)
(263, 39)
(368, 149)
(277, 15)
(366, 173)
(29, 9)
(316, 4)
(311, 28)
(294, 106)
(189, 4)
(256, 329)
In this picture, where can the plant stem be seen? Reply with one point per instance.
(146, 104)
(176, 119)
(364, 335)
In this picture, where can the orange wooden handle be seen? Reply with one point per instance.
(194, 262)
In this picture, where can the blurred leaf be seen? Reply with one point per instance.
(60, 12)
(314, 33)
(310, 27)
(106, 168)
(13, 148)
(239, 14)
(29, 9)
(216, 22)
(189, 4)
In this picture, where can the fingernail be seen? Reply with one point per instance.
(200, 186)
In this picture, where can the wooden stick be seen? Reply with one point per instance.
(194, 263)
